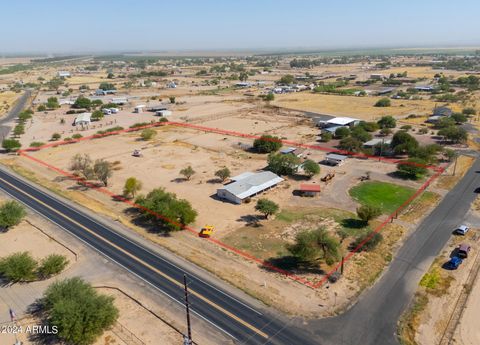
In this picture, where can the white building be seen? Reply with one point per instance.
(335, 159)
(83, 119)
(342, 121)
(163, 113)
(247, 185)
(64, 74)
(139, 108)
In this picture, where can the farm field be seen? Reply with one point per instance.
(358, 107)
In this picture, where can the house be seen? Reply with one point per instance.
(442, 111)
(139, 108)
(157, 108)
(83, 119)
(385, 91)
(335, 159)
(163, 113)
(119, 100)
(64, 74)
(342, 121)
(309, 189)
(376, 141)
(424, 88)
(247, 185)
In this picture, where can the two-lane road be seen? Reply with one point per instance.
(233, 317)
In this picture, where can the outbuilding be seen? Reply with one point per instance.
(342, 121)
(376, 141)
(139, 108)
(83, 119)
(164, 113)
(309, 189)
(335, 159)
(247, 185)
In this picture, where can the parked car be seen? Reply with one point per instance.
(463, 250)
(461, 230)
(453, 263)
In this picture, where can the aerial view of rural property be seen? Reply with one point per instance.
(219, 172)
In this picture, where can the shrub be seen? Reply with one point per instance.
(18, 267)
(187, 172)
(11, 145)
(52, 265)
(326, 137)
(56, 136)
(148, 134)
(283, 164)
(223, 173)
(387, 122)
(342, 132)
(77, 136)
(267, 144)
(311, 167)
(11, 213)
(383, 102)
(368, 212)
(374, 239)
(36, 144)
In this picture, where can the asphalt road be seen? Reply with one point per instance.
(241, 322)
(373, 320)
(13, 113)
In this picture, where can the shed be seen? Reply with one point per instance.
(64, 74)
(309, 189)
(335, 159)
(376, 141)
(119, 100)
(163, 113)
(83, 119)
(288, 150)
(139, 108)
(342, 121)
(247, 185)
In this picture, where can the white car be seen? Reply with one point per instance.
(462, 230)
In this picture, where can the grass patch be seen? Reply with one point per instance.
(387, 196)
(410, 320)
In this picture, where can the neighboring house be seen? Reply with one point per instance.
(341, 122)
(424, 88)
(164, 113)
(247, 185)
(376, 141)
(335, 159)
(64, 74)
(83, 119)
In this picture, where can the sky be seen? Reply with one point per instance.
(76, 26)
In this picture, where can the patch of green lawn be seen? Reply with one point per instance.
(387, 196)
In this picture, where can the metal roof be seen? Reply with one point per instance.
(248, 184)
(376, 141)
(288, 150)
(83, 117)
(336, 157)
(341, 121)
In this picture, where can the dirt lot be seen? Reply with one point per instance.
(358, 107)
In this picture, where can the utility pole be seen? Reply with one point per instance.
(187, 339)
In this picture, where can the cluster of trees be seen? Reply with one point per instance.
(267, 144)
(22, 267)
(82, 165)
(85, 103)
(166, 210)
(79, 313)
(289, 164)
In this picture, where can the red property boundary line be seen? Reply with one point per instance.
(438, 171)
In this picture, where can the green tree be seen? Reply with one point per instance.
(80, 314)
(311, 168)
(368, 212)
(387, 122)
(187, 172)
(326, 137)
(102, 170)
(369, 126)
(450, 154)
(266, 207)
(267, 144)
(97, 115)
(402, 142)
(383, 102)
(459, 117)
(243, 76)
(287, 79)
(19, 130)
(18, 267)
(469, 111)
(166, 210)
(148, 134)
(445, 122)
(82, 103)
(55, 136)
(131, 187)
(314, 245)
(413, 168)
(454, 134)
(11, 214)
(52, 265)
(342, 132)
(52, 103)
(107, 86)
(223, 174)
(11, 145)
(368, 241)
(350, 144)
(41, 107)
(385, 131)
(358, 132)
(283, 164)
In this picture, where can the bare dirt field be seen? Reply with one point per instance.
(7, 98)
(358, 107)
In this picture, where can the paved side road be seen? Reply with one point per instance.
(13, 113)
(373, 320)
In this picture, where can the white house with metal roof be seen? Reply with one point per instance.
(342, 121)
(247, 185)
(83, 119)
